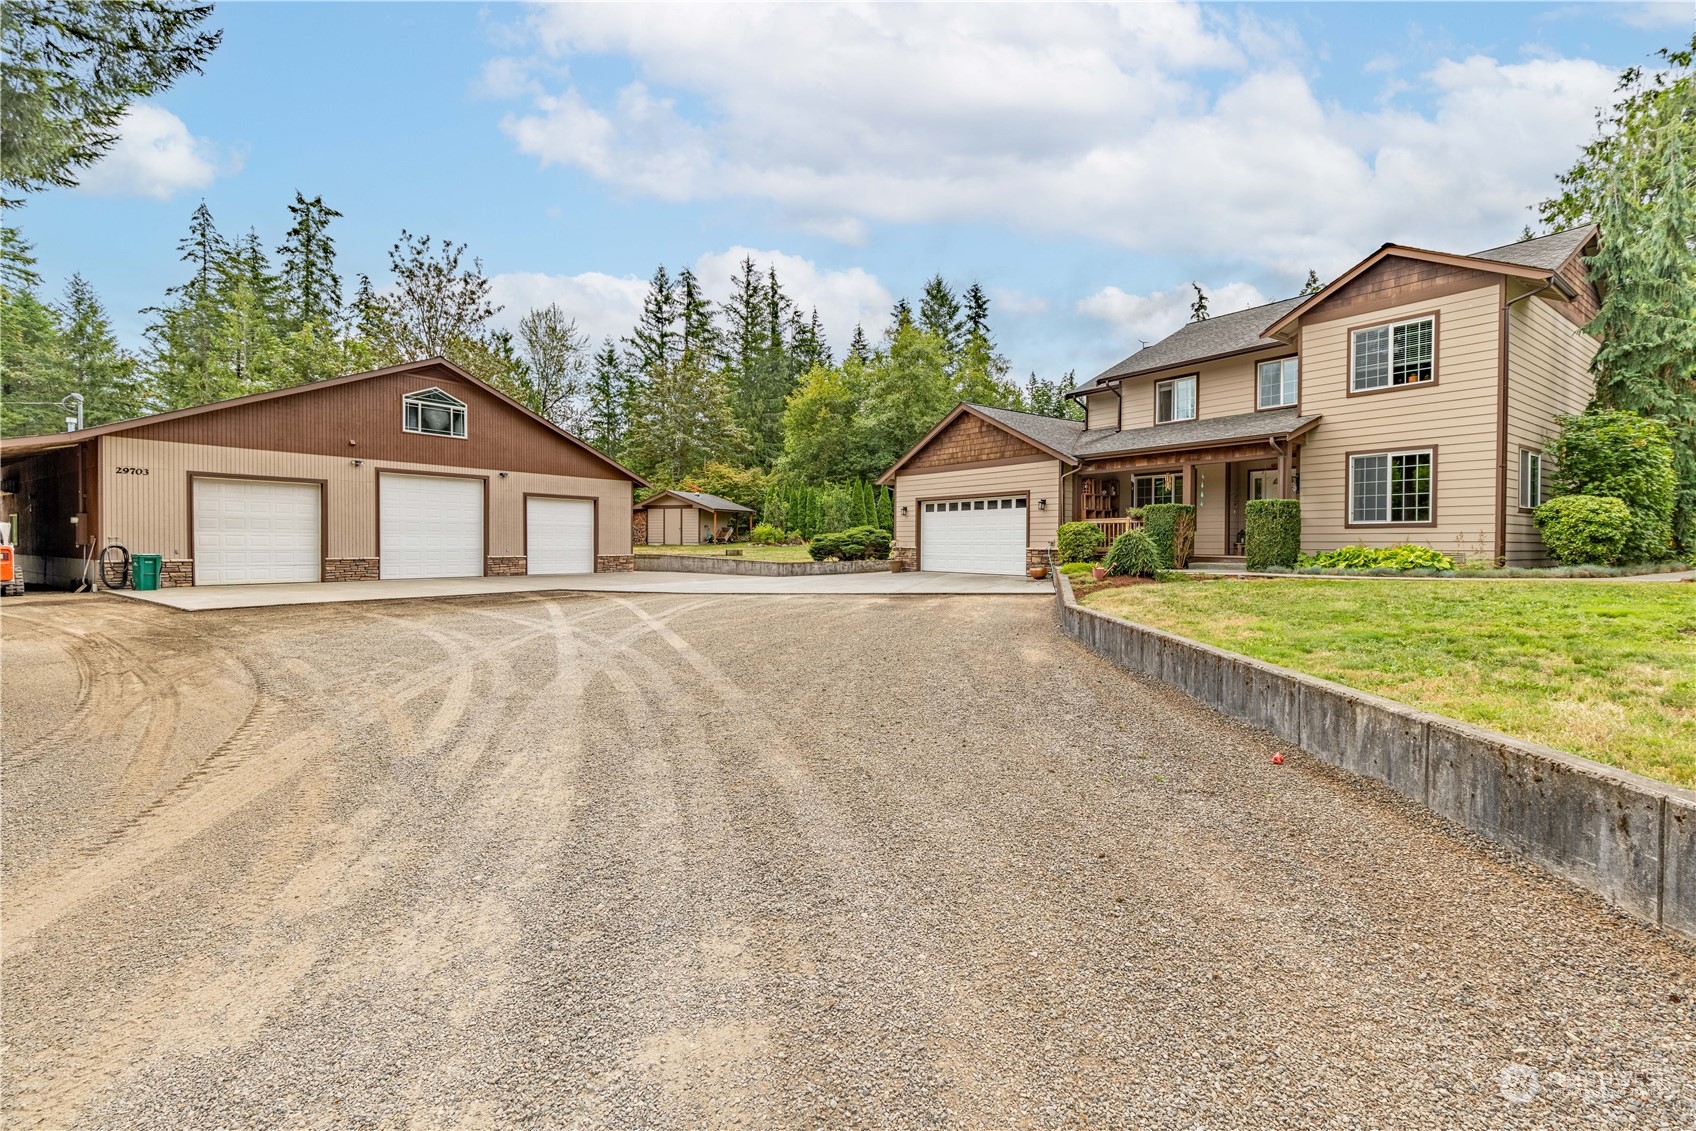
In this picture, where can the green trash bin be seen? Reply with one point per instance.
(144, 571)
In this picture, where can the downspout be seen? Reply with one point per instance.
(1502, 420)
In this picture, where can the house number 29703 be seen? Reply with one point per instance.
(132, 471)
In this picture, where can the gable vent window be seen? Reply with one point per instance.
(433, 413)
(1386, 356)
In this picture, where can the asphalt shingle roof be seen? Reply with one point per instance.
(1241, 330)
(1072, 438)
(707, 502)
(1545, 252)
(1221, 334)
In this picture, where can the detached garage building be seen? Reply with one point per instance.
(419, 470)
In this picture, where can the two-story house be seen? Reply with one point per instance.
(1407, 401)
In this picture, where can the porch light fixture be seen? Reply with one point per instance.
(1042, 504)
(357, 462)
(903, 508)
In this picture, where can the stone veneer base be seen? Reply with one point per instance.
(615, 563)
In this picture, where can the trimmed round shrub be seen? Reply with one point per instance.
(765, 534)
(1272, 533)
(1171, 526)
(1585, 529)
(1079, 542)
(1133, 554)
(825, 547)
(873, 542)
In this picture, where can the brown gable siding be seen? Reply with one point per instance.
(971, 439)
(1583, 308)
(1394, 281)
(362, 420)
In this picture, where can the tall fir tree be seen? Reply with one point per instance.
(980, 371)
(95, 364)
(859, 347)
(32, 366)
(680, 420)
(1198, 308)
(311, 288)
(939, 313)
(657, 336)
(607, 415)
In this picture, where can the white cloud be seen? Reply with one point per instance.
(156, 156)
(1647, 15)
(1163, 128)
(608, 305)
(1018, 303)
(605, 306)
(1136, 319)
(842, 298)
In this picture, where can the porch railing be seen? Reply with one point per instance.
(1111, 528)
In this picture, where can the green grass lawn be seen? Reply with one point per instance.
(1602, 669)
(755, 553)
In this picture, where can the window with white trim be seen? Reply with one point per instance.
(1277, 383)
(1390, 487)
(431, 412)
(1174, 400)
(1530, 479)
(1404, 353)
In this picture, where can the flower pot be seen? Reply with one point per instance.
(1100, 572)
(1038, 572)
(896, 565)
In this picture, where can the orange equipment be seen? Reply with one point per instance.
(5, 563)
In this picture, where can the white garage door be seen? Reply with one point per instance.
(973, 536)
(430, 526)
(249, 530)
(559, 535)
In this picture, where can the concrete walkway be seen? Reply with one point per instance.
(200, 597)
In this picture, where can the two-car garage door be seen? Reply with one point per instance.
(974, 535)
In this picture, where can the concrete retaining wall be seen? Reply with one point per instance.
(1630, 839)
(702, 563)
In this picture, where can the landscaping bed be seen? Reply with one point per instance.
(749, 552)
(1603, 670)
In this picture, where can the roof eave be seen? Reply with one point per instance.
(959, 410)
(1203, 445)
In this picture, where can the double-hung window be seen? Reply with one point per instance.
(1174, 400)
(1390, 487)
(1277, 383)
(1530, 479)
(1404, 353)
(432, 412)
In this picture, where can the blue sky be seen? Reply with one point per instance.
(1084, 164)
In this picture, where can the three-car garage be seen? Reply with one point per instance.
(419, 471)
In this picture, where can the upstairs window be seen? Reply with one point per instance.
(1404, 353)
(1277, 383)
(433, 413)
(1174, 400)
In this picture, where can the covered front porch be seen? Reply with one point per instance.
(1218, 481)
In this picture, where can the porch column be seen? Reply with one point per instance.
(1284, 473)
(1192, 485)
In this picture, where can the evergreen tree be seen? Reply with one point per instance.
(607, 414)
(1313, 286)
(1645, 271)
(859, 349)
(807, 346)
(1198, 308)
(188, 340)
(907, 390)
(901, 314)
(980, 372)
(658, 336)
(69, 69)
(939, 313)
(681, 420)
(743, 345)
(32, 366)
(311, 288)
(695, 316)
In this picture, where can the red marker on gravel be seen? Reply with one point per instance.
(1278, 759)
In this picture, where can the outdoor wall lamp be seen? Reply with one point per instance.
(358, 463)
(903, 509)
(1042, 504)
(503, 475)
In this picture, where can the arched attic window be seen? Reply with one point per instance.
(431, 412)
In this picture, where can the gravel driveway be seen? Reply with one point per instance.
(717, 861)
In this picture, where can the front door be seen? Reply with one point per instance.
(1262, 485)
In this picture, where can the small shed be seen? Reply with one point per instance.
(689, 518)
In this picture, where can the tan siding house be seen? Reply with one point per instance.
(1402, 403)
